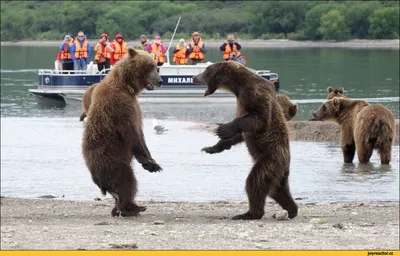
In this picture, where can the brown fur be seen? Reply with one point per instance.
(86, 99)
(363, 127)
(113, 132)
(335, 93)
(262, 125)
(289, 109)
(331, 94)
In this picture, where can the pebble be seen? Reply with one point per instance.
(158, 222)
(338, 225)
(281, 215)
(354, 213)
(318, 221)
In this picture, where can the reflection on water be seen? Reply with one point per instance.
(41, 156)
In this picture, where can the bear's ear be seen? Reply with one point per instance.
(330, 89)
(132, 52)
(341, 90)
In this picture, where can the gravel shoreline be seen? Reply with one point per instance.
(307, 130)
(87, 225)
(257, 43)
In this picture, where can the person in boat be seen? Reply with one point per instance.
(230, 47)
(120, 48)
(81, 51)
(157, 49)
(144, 42)
(58, 60)
(181, 53)
(197, 49)
(67, 56)
(103, 52)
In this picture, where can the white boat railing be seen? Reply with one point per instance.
(71, 72)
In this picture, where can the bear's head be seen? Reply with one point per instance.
(138, 70)
(331, 109)
(335, 93)
(221, 75)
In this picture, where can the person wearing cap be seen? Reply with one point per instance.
(230, 48)
(157, 49)
(120, 48)
(181, 53)
(197, 49)
(144, 42)
(103, 53)
(81, 52)
(67, 56)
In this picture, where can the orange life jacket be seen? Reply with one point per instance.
(228, 51)
(154, 49)
(81, 52)
(118, 52)
(180, 55)
(196, 54)
(65, 54)
(102, 51)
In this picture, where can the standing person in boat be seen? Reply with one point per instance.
(230, 48)
(120, 48)
(103, 53)
(67, 57)
(157, 49)
(82, 52)
(144, 42)
(181, 53)
(197, 49)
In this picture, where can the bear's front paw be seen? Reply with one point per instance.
(152, 166)
(210, 150)
(225, 131)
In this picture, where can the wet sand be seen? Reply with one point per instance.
(257, 43)
(308, 130)
(57, 224)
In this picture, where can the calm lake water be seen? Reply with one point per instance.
(41, 146)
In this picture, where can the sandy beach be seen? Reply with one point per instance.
(82, 225)
(308, 130)
(257, 43)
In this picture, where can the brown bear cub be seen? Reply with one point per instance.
(86, 99)
(335, 93)
(113, 133)
(331, 94)
(262, 125)
(363, 127)
(289, 109)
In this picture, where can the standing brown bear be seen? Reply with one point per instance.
(363, 127)
(113, 134)
(261, 124)
(86, 99)
(289, 109)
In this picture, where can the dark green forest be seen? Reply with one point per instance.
(295, 20)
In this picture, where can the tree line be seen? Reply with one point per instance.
(295, 20)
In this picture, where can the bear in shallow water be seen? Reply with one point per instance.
(363, 127)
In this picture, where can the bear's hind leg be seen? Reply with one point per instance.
(283, 197)
(258, 184)
(126, 191)
(385, 154)
(364, 152)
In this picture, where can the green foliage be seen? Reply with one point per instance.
(333, 26)
(385, 23)
(295, 20)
